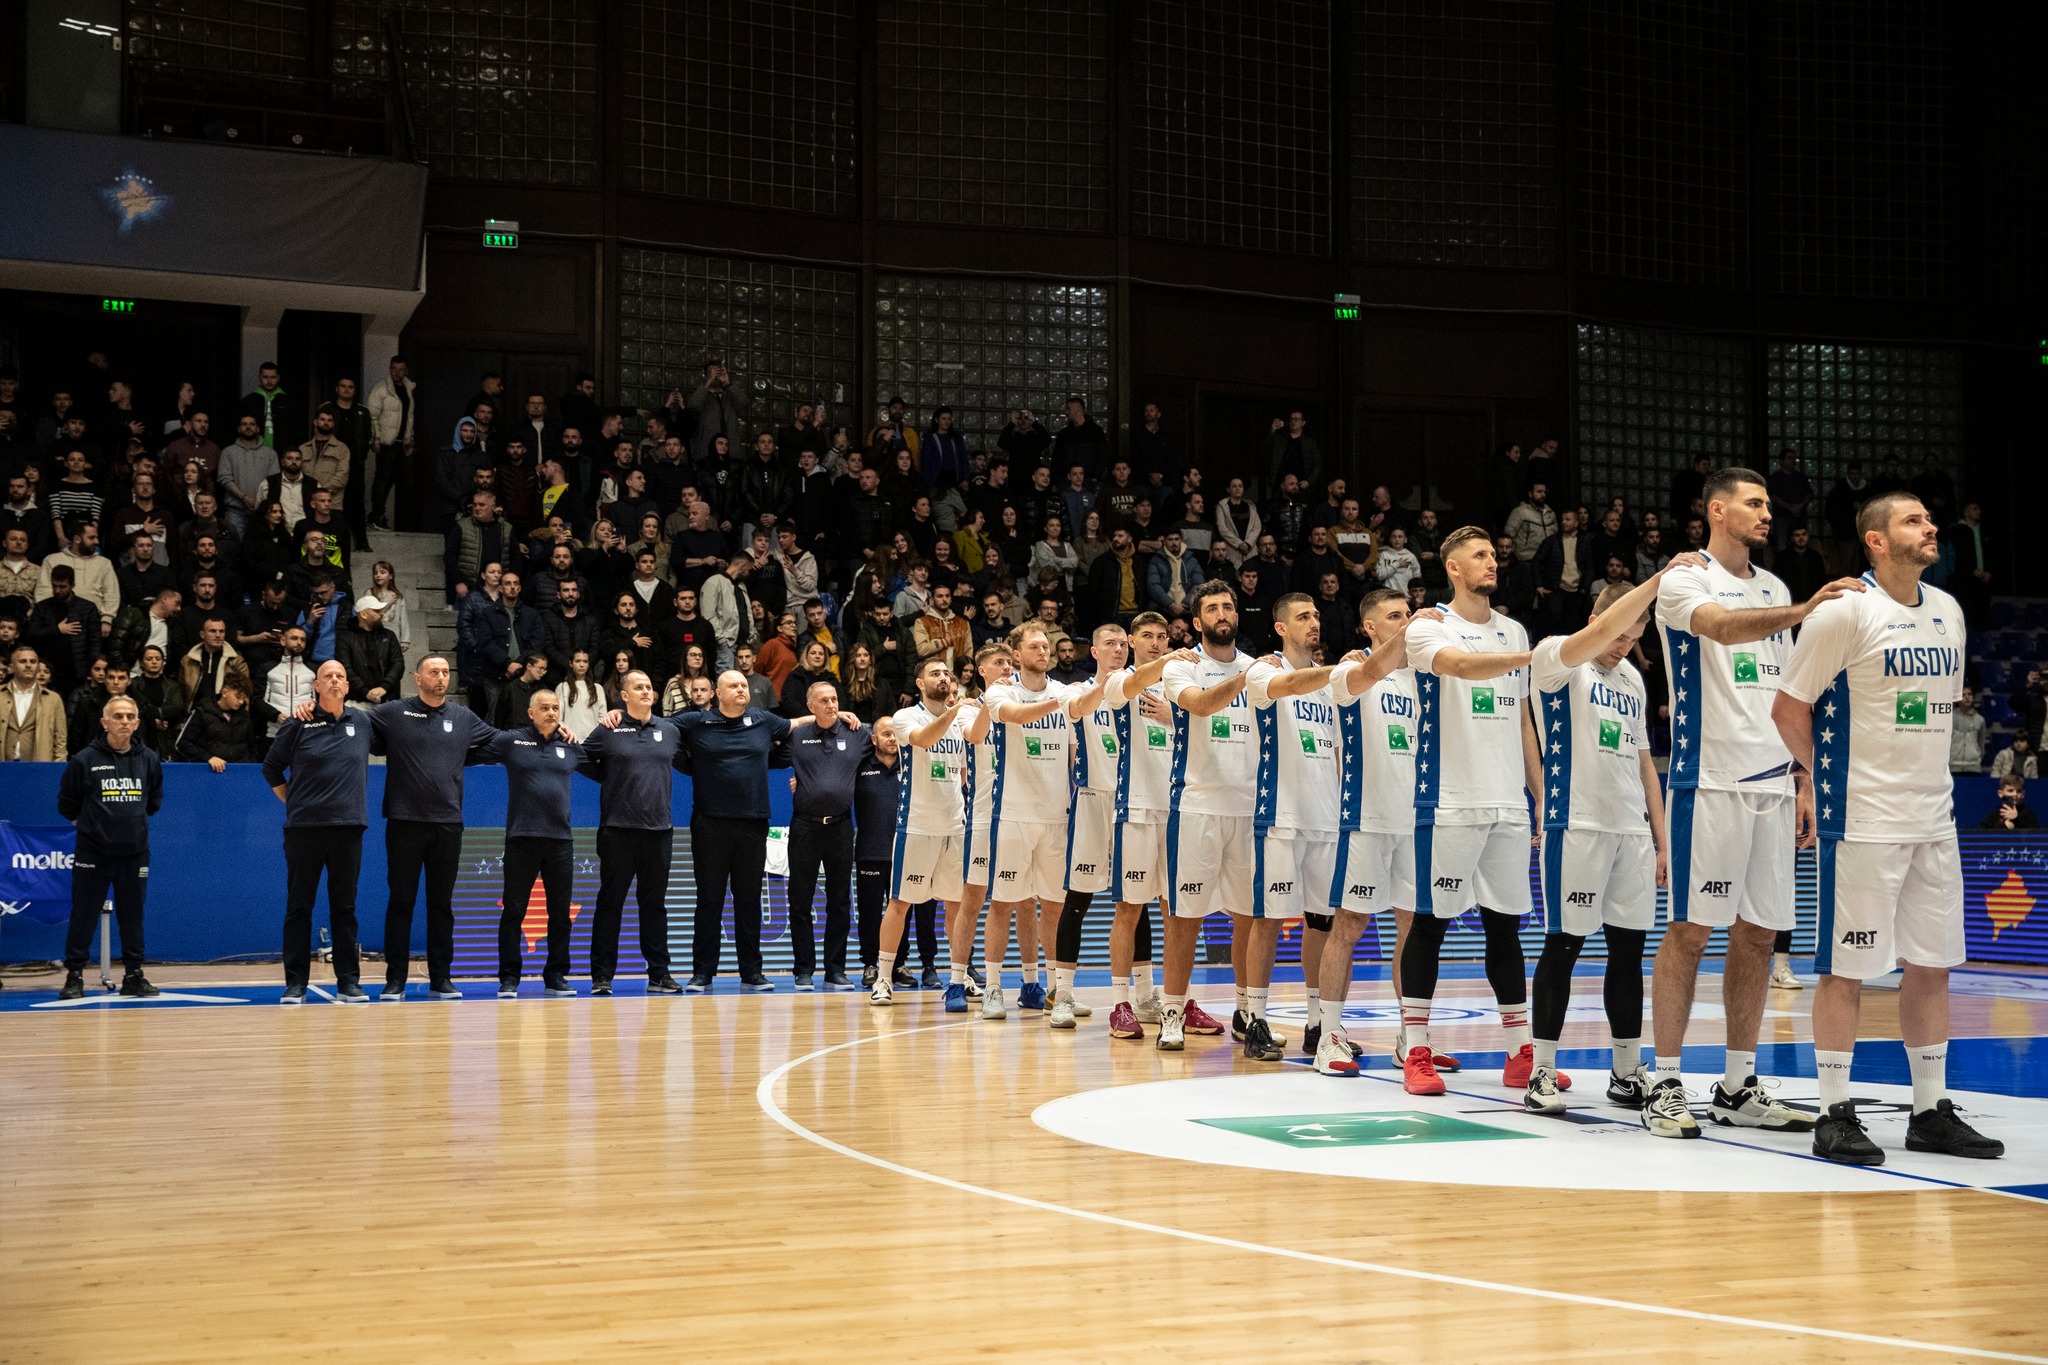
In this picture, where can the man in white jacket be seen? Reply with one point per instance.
(392, 413)
(290, 679)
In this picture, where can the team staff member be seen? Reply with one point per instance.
(876, 790)
(731, 748)
(539, 759)
(827, 757)
(631, 756)
(326, 808)
(109, 790)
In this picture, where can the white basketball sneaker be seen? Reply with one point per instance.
(992, 1003)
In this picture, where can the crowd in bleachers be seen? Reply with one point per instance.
(582, 540)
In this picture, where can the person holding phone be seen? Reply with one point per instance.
(2012, 811)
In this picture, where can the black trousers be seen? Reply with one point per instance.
(814, 843)
(553, 861)
(390, 459)
(871, 880)
(637, 859)
(310, 850)
(733, 853)
(94, 872)
(410, 848)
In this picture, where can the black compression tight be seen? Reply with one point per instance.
(1622, 990)
(1504, 963)
(1554, 985)
(1067, 943)
(1142, 949)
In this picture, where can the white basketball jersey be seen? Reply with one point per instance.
(1215, 758)
(1470, 751)
(1590, 723)
(1297, 755)
(1722, 736)
(928, 780)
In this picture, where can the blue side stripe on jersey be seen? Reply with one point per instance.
(1259, 875)
(1557, 758)
(1426, 689)
(1681, 652)
(1267, 719)
(1123, 763)
(1078, 736)
(1824, 932)
(1180, 754)
(1553, 878)
(1350, 764)
(1172, 853)
(896, 861)
(1425, 848)
(1831, 713)
(995, 796)
(1340, 873)
(1681, 852)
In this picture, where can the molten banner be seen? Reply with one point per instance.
(35, 871)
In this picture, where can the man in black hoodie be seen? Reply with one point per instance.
(109, 790)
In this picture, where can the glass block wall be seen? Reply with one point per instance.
(1855, 145)
(1649, 401)
(1231, 127)
(739, 101)
(260, 38)
(1837, 403)
(995, 114)
(1454, 134)
(786, 331)
(501, 90)
(985, 346)
(1664, 141)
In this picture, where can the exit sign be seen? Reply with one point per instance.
(501, 232)
(1344, 307)
(117, 305)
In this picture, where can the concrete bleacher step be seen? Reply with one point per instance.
(416, 558)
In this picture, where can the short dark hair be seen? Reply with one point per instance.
(1375, 598)
(62, 573)
(1723, 481)
(1876, 514)
(1214, 587)
(1289, 600)
(1456, 540)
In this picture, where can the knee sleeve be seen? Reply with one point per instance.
(1623, 990)
(1554, 985)
(1141, 950)
(1322, 924)
(1503, 957)
(1067, 942)
(1419, 956)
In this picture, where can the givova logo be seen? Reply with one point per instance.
(55, 861)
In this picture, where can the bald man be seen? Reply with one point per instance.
(109, 790)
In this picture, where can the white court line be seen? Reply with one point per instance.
(764, 1094)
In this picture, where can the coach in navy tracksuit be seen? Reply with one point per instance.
(732, 746)
(320, 768)
(109, 790)
(539, 760)
(827, 758)
(632, 761)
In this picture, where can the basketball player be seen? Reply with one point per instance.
(1866, 707)
(929, 814)
(1144, 788)
(1736, 811)
(991, 666)
(1098, 764)
(1294, 815)
(1376, 706)
(1209, 827)
(1603, 832)
(1031, 737)
(1475, 751)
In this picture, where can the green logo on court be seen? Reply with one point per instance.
(1397, 738)
(1308, 741)
(1745, 668)
(1482, 701)
(1912, 708)
(1032, 746)
(1108, 743)
(1155, 736)
(1219, 727)
(1610, 734)
(939, 769)
(1404, 1127)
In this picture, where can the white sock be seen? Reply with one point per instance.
(1781, 962)
(1119, 990)
(1242, 1008)
(1255, 997)
(1414, 1024)
(1832, 1070)
(1063, 982)
(1628, 1055)
(1031, 975)
(1929, 1066)
(887, 972)
(1515, 1019)
(1177, 1004)
(1736, 1071)
(1667, 1068)
(1546, 1054)
(1333, 1015)
(959, 975)
(1315, 1001)
(1141, 979)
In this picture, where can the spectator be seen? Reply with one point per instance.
(1564, 577)
(1532, 522)
(1845, 500)
(1286, 516)
(796, 688)
(1172, 577)
(1966, 738)
(245, 465)
(971, 542)
(730, 611)
(289, 681)
(1356, 544)
(1800, 565)
(944, 451)
(1426, 541)
(1080, 442)
(2017, 759)
(92, 573)
(862, 691)
(76, 495)
(716, 406)
(2012, 811)
(941, 633)
(325, 612)
(369, 652)
(221, 729)
(799, 567)
(1971, 580)
(1119, 581)
(325, 458)
(1197, 531)
(1791, 500)
(1336, 608)
(33, 728)
(213, 664)
(1054, 552)
(1515, 594)
(1291, 450)
(82, 708)
(22, 513)
(65, 630)
(1238, 524)
(144, 513)
(455, 471)
(777, 656)
(1935, 489)
(278, 414)
(20, 576)
(157, 690)
(583, 700)
(472, 541)
(1397, 565)
(1315, 560)
(1650, 557)
(880, 635)
(394, 411)
(1688, 486)
(1025, 440)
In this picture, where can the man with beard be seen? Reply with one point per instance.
(929, 858)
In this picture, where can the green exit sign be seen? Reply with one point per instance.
(1344, 307)
(117, 305)
(501, 232)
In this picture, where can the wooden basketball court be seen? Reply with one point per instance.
(806, 1177)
